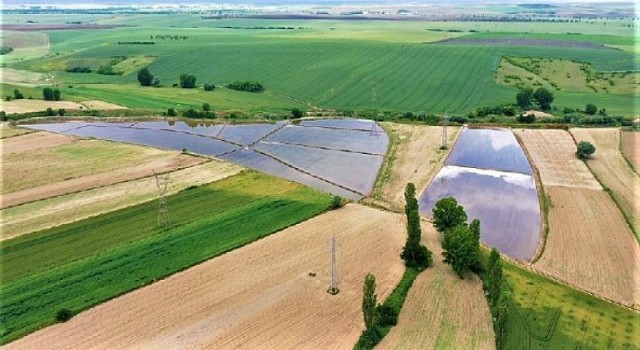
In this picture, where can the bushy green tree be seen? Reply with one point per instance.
(524, 98)
(369, 301)
(448, 214)
(145, 78)
(414, 253)
(591, 109)
(585, 150)
(460, 249)
(494, 277)
(187, 81)
(206, 107)
(543, 98)
(17, 94)
(297, 113)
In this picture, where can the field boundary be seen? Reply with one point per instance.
(384, 174)
(543, 201)
(449, 151)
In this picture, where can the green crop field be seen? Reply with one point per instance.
(81, 264)
(547, 315)
(327, 64)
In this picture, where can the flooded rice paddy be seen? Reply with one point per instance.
(489, 175)
(338, 156)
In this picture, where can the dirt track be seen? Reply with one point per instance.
(612, 169)
(417, 158)
(257, 297)
(553, 153)
(442, 311)
(590, 245)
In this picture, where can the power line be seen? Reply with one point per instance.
(162, 182)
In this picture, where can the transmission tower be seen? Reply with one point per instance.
(333, 288)
(374, 129)
(445, 121)
(162, 182)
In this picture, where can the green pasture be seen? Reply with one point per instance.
(84, 263)
(547, 315)
(386, 65)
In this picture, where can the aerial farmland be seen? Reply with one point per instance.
(319, 176)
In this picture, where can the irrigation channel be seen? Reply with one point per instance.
(490, 176)
(337, 156)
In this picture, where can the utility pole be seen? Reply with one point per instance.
(333, 288)
(445, 121)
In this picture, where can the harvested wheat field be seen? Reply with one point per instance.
(553, 154)
(417, 159)
(101, 105)
(7, 131)
(38, 215)
(590, 245)
(261, 296)
(630, 146)
(442, 311)
(27, 106)
(26, 143)
(60, 163)
(613, 170)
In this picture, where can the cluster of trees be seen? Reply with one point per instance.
(51, 94)
(250, 86)
(187, 81)
(61, 112)
(17, 94)
(460, 241)
(414, 254)
(497, 296)
(5, 50)
(136, 43)
(169, 37)
(79, 70)
(205, 113)
(145, 78)
(297, 113)
(542, 98)
(209, 86)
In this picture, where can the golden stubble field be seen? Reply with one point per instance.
(261, 296)
(442, 311)
(553, 153)
(417, 158)
(613, 170)
(630, 146)
(589, 245)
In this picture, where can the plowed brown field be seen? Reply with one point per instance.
(442, 311)
(590, 245)
(611, 168)
(35, 216)
(417, 158)
(261, 296)
(630, 147)
(553, 153)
